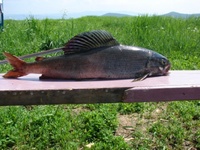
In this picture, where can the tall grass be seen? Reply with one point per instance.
(177, 39)
(173, 125)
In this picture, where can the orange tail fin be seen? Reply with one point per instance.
(17, 64)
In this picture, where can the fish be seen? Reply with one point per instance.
(93, 55)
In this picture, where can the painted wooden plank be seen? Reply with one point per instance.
(29, 90)
(167, 93)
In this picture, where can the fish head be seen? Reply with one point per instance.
(158, 64)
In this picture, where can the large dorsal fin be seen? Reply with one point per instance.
(89, 40)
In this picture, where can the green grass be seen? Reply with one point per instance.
(172, 125)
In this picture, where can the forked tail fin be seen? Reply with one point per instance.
(17, 64)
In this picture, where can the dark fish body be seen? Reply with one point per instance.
(89, 61)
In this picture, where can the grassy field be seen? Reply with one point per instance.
(171, 125)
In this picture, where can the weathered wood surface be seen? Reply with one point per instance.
(29, 90)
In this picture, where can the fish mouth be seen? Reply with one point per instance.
(165, 71)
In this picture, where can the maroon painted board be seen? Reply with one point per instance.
(29, 90)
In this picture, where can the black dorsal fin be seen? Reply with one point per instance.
(87, 41)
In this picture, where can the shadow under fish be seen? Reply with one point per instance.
(93, 55)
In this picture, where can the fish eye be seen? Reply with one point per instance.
(163, 62)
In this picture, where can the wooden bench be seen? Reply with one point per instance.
(29, 90)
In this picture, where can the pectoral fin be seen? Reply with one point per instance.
(141, 78)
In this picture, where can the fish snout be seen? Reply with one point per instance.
(166, 69)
